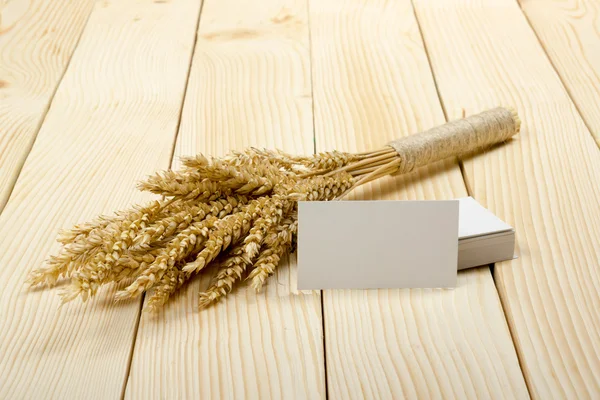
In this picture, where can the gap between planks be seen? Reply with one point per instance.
(32, 351)
(404, 368)
(217, 119)
(467, 185)
(175, 136)
(563, 81)
(538, 292)
(310, 59)
(12, 181)
(511, 326)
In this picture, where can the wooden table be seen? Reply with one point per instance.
(94, 95)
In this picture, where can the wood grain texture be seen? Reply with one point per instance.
(249, 85)
(544, 183)
(570, 34)
(372, 84)
(112, 121)
(37, 39)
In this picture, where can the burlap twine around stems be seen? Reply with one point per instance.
(456, 137)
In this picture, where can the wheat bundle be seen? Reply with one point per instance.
(238, 211)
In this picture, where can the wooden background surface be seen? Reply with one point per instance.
(94, 95)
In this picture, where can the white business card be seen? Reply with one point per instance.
(476, 220)
(377, 244)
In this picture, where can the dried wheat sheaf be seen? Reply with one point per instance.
(238, 212)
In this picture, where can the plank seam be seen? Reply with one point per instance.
(560, 78)
(173, 147)
(437, 91)
(577, 109)
(312, 104)
(324, 348)
(187, 82)
(133, 342)
(470, 193)
(44, 114)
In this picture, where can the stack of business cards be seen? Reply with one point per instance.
(396, 244)
(483, 238)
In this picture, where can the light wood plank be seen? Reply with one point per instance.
(545, 183)
(570, 34)
(249, 85)
(372, 84)
(37, 39)
(112, 121)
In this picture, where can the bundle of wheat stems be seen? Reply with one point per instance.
(238, 211)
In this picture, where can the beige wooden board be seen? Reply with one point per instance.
(37, 39)
(372, 84)
(570, 33)
(249, 85)
(112, 121)
(544, 183)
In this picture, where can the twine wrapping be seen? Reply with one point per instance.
(456, 137)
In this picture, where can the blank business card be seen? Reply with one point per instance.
(476, 220)
(377, 244)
